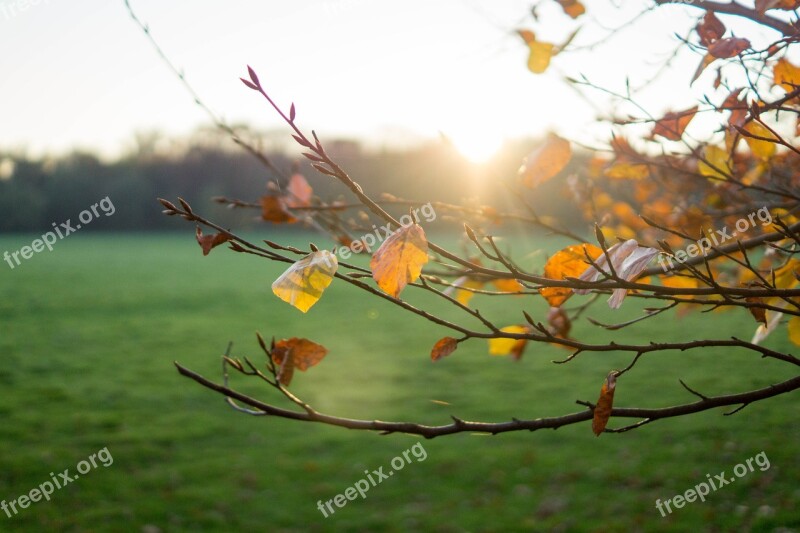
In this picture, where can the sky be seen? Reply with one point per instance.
(82, 74)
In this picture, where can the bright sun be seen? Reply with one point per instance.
(476, 146)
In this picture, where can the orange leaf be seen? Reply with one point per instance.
(672, 125)
(399, 260)
(573, 8)
(730, 47)
(298, 192)
(602, 411)
(546, 161)
(208, 242)
(710, 29)
(443, 348)
(785, 5)
(569, 262)
(273, 209)
(293, 353)
(508, 285)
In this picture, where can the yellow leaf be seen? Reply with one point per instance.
(509, 346)
(464, 296)
(304, 282)
(760, 148)
(400, 258)
(715, 164)
(539, 57)
(546, 161)
(630, 171)
(794, 330)
(786, 75)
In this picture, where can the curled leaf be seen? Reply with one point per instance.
(209, 242)
(304, 282)
(602, 411)
(710, 29)
(443, 348)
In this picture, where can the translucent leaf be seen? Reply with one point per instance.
(715, 164)
(763, 150)
(569, 262)
(400, 258)
(546, 161)
(786, 75)
(304, 282)
(628, 171)
(301, 354)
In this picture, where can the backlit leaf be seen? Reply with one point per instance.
(730, 47)
(602, 410)
(443, 348)
(672, 125)
(539, 52)
(304, 282)
(298, 192)
(273, 209)
(786, 75)
(625, 170)
(301, 354)
(546, 161)
(569, 262)
(710, 29)
(400, 258)
(763, 150)
(715, 163)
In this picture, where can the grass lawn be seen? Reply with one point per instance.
(89, 332)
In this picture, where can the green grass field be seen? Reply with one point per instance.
(89, 332)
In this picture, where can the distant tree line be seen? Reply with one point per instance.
(35, 192)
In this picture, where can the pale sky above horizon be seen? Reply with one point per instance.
(82, 74)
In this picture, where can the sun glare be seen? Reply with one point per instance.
(475, 146)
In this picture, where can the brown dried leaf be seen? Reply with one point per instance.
(602, 411)
(673, 124)
(209, 242)
(293, 353)
(443, 348)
